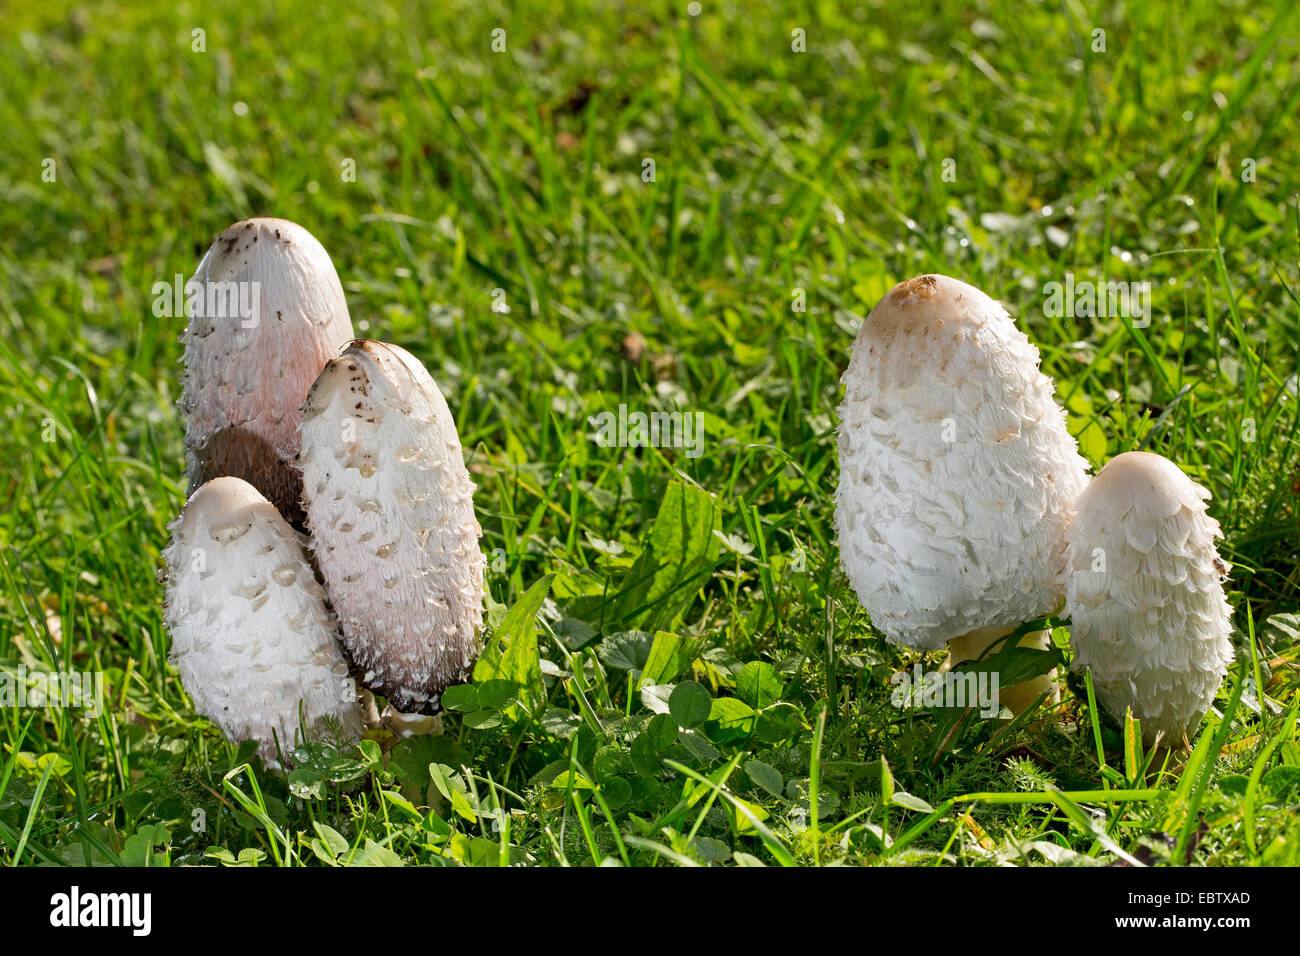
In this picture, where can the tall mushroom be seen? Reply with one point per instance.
(1145, 595)
(390, 506)
(252, 639)
(267, 313)
(957, 474)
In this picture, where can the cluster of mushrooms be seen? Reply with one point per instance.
(964, 511)
(329, 536)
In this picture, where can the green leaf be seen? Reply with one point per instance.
(483, 720)
(1132, 745)
(758, 684)
(559, 723)
(147, 846)
(1279, 632)
(610, 761)
(646, 759)
(747, 823)
(374, 757)
(220, 854)
(138, 852)
(655, 697)
(777, 722)
(1234, 784)
(765, 776)
(1282, 780)
(306, 784)
(699, 747)
(625, 651)
(375, 854)
(906, 800)
(730, 719)
(669, 655)
(445, 779)
(461, 697)
(689, 704)
(436, 825)
(409, 760)
(679, 556)
(495, 694)
(660, 733)
(711, 850)
(616, 791)
(572, 779)
(512, 656)
(331, 839)
(403, 805)
(488, 695)
(248, 856)
(331, 764)
(573, 633)
(460, 803)
(646, 792)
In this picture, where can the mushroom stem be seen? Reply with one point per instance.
(410, 725)
(370, 719)
(1018, 697)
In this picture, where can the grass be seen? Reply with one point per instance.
(684, 676)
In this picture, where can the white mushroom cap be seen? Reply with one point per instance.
(390, 506)
(252, 638)
(1145, 595)
(247, 375)
(957, 473)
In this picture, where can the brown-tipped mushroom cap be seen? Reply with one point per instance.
(957, 473)
(269, 315)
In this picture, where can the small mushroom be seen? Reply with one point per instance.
(268, 313)
(957, 474)
(390, 506)
(1145, 595)
(251, 636)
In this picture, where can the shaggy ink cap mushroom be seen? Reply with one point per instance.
(269, 313)
(252, 639)
(1145, 596)
(957, 473)
(389, 502)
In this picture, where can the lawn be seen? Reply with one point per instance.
(667, 210)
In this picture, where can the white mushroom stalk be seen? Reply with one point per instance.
(390, 507)
(1145, 595)
(957, 474)
(269, 312)
(251, 636)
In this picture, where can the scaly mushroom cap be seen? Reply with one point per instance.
(252, 638)
(1145, 595)
(246, 375)
(957, 473)
(390, 506)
